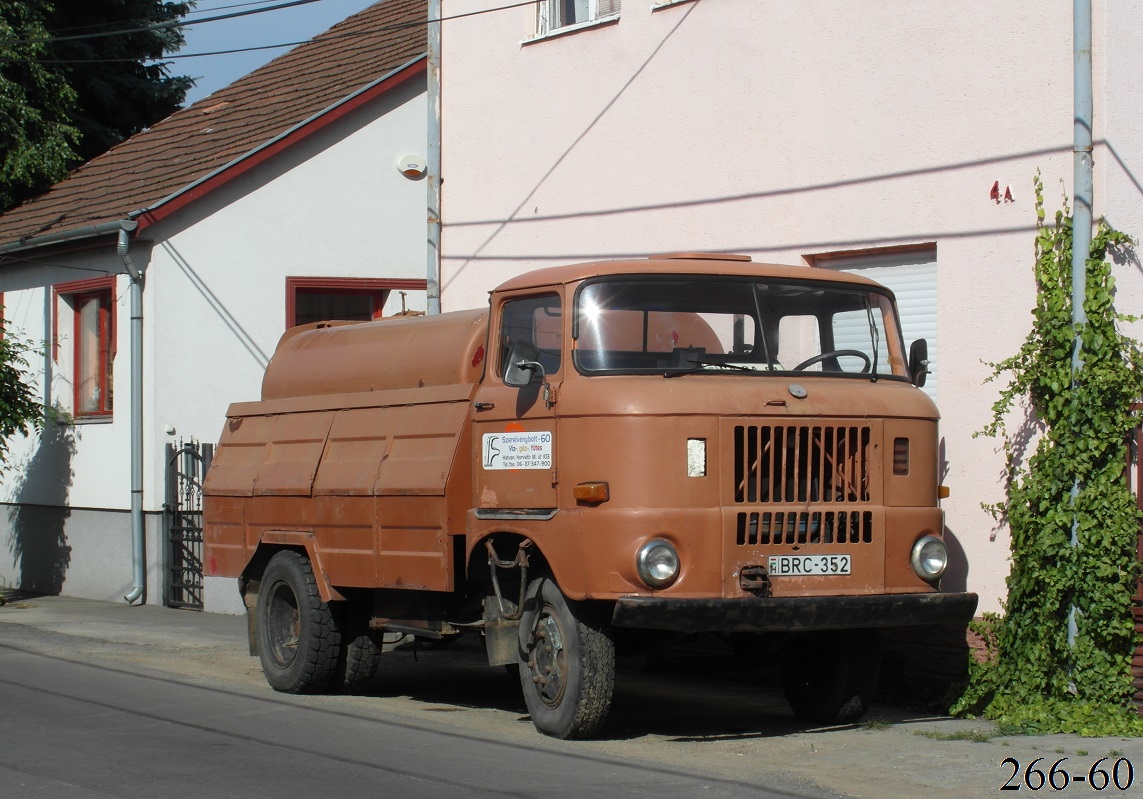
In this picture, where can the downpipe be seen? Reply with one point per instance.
(433, 156)
(138, 540)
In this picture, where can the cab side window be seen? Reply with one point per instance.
(532, 325)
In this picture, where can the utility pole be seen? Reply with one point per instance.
(1081, 209)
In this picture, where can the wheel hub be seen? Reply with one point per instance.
(283, 625)
(547, 662)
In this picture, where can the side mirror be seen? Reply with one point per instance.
(919, 362)
(523, 363)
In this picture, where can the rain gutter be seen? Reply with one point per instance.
(64, 236)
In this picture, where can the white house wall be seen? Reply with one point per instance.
(64, 525)
(339, 209)
(788, 130)
(213, 311)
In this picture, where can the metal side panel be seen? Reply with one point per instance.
(293, 453)
(358, 442)
(240, 455)
(423, 446)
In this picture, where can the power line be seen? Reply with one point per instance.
(104, 26)
(211, 53)
(223, 8)
(155, 26)
(324, 37)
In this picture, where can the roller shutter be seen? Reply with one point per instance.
(912, 277)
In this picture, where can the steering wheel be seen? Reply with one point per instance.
(835, 354)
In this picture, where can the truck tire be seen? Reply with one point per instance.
(567, 664)
(298, 638)
(361, 654)
(830, 677)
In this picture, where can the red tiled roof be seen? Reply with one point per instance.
(195, 142)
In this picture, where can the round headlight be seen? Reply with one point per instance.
(657, 563)
(930, 558)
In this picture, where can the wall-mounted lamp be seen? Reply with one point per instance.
(411, 166)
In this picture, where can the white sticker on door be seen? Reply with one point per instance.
(517, 450)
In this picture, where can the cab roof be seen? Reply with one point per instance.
(678, 263)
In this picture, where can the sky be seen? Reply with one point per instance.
(272, 27)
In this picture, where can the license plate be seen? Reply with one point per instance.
(811, 565)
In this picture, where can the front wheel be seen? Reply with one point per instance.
(299, 641)
(567, 664)
(830, 677)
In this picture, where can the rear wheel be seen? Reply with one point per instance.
(567, 664)
(298, 638)
(830, 676)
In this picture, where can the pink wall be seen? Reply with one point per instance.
(784, 130)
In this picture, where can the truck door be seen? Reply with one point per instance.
(514, 419)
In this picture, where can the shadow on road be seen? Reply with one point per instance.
(686, 697)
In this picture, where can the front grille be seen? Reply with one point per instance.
(804, 527)
(812, 463)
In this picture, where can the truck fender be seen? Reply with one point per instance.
(273, 540)
(506, 544)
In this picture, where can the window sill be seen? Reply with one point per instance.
(660, 4)
(76, 421)
(610, 19)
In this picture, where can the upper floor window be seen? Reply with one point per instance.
(351, 299)
(552, 15)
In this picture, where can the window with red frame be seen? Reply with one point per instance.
(92, 303)
(351, 299)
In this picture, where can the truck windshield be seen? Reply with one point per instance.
(725, 325)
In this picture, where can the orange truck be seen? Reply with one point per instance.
(610, 455)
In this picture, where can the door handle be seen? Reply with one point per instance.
(484, 406)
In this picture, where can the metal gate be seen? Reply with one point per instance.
(186, 465)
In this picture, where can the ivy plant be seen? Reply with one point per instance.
(1072, 516)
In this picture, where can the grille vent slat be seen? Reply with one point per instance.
(804, 527)
(787, 463)
(826, 465)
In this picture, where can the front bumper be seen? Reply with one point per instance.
(792, 614)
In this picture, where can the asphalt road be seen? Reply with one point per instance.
(89, 729)
(101, 699)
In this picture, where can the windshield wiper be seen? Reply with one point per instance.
(699, 363)
(875, 335)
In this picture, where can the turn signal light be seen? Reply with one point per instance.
(592, 492)
(943, 492)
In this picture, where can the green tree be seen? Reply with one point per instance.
(77, 78)
(121, 89)
(1039, 677)
(37, 138)
(20, 409)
